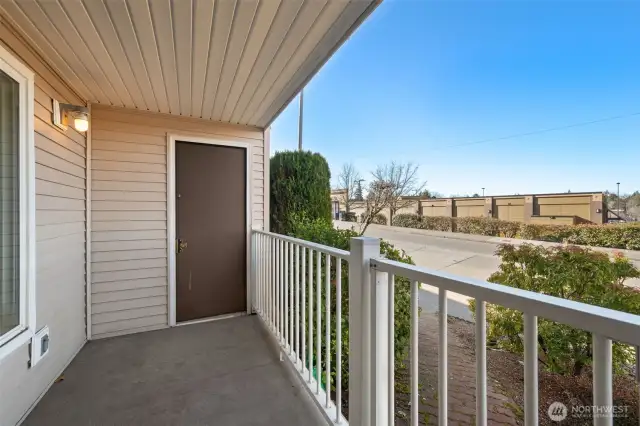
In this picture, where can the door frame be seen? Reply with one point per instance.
(172, 138)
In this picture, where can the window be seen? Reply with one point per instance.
(17, 213)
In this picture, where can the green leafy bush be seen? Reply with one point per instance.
(406, 220)
(350, 217)
(572, 273)
(623, 236)
(379, 219)
(478, 226)
(553, 233)
(508, 228)
(299, 185)
(322, 232)
(437, 223)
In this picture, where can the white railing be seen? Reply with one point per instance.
(294, 300)
(287, 293)
(604, 324)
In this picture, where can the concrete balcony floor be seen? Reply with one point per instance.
(224, 372)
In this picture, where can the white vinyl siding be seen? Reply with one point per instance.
(129, 212)
(60, 158)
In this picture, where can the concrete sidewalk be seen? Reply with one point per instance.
(634, 255)
(466, 255)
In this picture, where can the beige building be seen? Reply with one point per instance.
(124, 127)
(560, 208)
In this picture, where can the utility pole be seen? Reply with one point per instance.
(482, 192)
(300, 114)
(618, 183)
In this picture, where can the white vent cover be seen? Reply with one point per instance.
(39, 345)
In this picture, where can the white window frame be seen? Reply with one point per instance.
(24, 331)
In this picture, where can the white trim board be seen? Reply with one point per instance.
(88, 265)
(26, 328)
(171, 212)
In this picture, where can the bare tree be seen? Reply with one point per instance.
(379, 195)
(348, 180)
(401, 180)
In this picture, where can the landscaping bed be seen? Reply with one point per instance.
(508, 370)
(622, 236)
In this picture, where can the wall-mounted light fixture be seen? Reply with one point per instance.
(64, 113)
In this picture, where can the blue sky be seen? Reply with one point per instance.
(420, 77)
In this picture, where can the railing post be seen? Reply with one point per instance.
(253, 272)
(380, 312)
(602, 381)
(363, 249)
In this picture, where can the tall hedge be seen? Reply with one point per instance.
(300, 186)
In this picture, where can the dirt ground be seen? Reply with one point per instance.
(505, 384)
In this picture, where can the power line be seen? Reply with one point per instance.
(537, 132)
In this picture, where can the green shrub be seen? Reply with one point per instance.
(623, 236)
(553, 233)
(406, 220)
(323, 232)
(572, 273)
(508, 228)
(299, 185)
(478, 226)
(437, 223)
(350, 217)
(379, 219)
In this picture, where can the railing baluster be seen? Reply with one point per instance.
(602, 381)
(261, 272)
(286, 295)
(327, 323)
(262, 265)
(392, 353)
(414, 353)
(265, 274)
(481, 363)
(291, 306)
(338, 340)
(304, 309)
(281, 291)
(297, 303)
(310, 315)
(273, 283)
(443, 376)
(253, 276)
(319, 320)
(530, 370)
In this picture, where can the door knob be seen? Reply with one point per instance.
(181, 245)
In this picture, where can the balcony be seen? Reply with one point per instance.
(222, 372)
(278, 367)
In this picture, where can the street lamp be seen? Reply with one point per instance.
(483, 192)
(618, 183)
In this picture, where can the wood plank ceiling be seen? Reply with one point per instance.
(237, 61)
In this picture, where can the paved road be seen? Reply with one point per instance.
(469, 256)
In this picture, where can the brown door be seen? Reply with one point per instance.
(211, 227)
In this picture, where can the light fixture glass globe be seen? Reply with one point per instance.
(81, 124)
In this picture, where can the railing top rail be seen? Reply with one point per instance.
(332, 251)
(616, 325)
